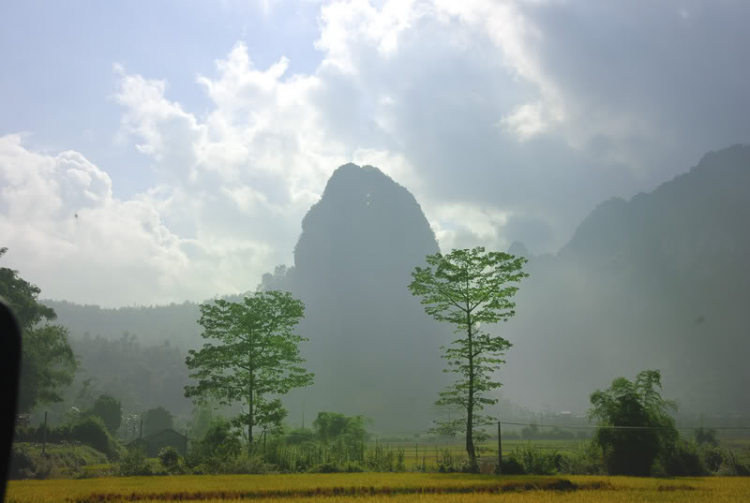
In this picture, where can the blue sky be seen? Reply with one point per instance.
(191, 137)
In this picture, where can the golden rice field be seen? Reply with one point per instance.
(382, 488)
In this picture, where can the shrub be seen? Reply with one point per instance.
(587, 461)
(706, 436)
(326, 468)
(299, 436)
(712, 458)
(135, 463)
(92, 432)
(512, 466)
(536, 462)
(169, 458)
(684, 460)
(633, 404)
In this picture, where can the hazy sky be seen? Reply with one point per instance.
(161, 151)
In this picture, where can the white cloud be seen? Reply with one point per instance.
(499, 116)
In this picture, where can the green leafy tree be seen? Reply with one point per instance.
(156, 420)
(470, 288)
(47, 360)
(109, 410)
(330, 426)
(257, 356)
(650, 430)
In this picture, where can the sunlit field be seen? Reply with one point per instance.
(377, 487)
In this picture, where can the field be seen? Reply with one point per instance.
(383, 487)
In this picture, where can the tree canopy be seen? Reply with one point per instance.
(109, 410)
(638, 406)
(470, 288)
(256, 357)
(156, 420)
(47, 360)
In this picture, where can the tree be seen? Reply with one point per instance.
(330, 426)
(650, 429)
(109, 410)
(156, 420)
(257, 356)
(47, 360)
(470, 288)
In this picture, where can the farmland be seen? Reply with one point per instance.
(379, 487)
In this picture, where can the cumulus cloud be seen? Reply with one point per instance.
(508, 120)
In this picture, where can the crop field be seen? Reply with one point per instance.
(383, 487)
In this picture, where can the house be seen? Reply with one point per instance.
(155, 442)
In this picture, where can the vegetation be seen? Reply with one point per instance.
(156, 420)
(109, 410)
(636, 425)
(386, 488)
(469, 289)
(89, 431)
(258, 356)
(47, 361)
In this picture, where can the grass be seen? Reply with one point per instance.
(382, 487)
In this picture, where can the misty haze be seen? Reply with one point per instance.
(377, 239)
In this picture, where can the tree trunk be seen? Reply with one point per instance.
(470, 405)
(250, 417)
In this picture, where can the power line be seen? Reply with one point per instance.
(596, 427)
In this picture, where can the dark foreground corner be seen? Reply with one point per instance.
(10, 357)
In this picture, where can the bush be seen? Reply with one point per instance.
(299, 436)
(536, 462)
(61, 459)
(169, 458)
(326, 468)
(733, 466)
(706, 436)
(135, 463)
(633, 404)
(512, 466)
(91, 431)
(712, 458)
(684, 460)
(587, 461)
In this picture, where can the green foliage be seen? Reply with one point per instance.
(706, 436)
(109, 410)
(169, 458)
(633, 404)
(156, 420)
(219, 446)
(257, 356)
(331, 426)
(684, 460)
(135, 463)
(534, 461)
(60, 459)
(47, 361)
(468, 289)
(88, 431)
(299, 436)
(513, 466)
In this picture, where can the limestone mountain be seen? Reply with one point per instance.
(372, 348)
(660, 281)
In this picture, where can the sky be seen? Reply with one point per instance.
(156, 152)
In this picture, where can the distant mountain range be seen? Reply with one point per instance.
(660, 281)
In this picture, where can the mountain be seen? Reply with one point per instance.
(660, 281)
(373, 349)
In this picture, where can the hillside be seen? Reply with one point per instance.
(659, 281)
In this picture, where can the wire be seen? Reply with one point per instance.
(596, 427)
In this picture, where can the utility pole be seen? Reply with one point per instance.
(499, 448)
(44, 438)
